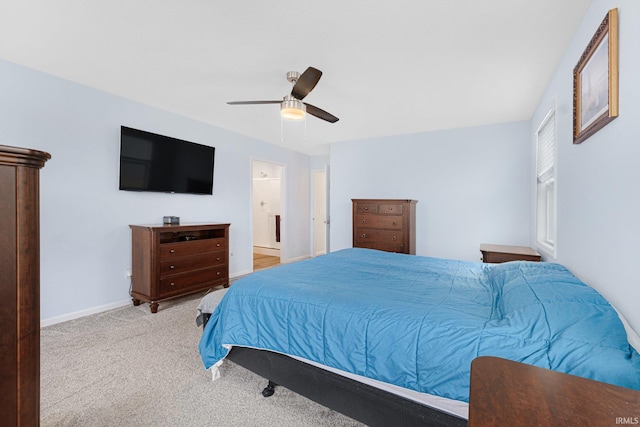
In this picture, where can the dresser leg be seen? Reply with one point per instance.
(136, 302)
(153, 306)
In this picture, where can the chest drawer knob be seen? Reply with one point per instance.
(217, 245)
(364, 221)
(218, 259)
(394, 238)
(172, 283)
(172, 267)
(218, 273)
(172, 251)
(366, 208)
(364, 235)
(395, 223)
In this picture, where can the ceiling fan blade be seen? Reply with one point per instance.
(320, 113)
(306, 82)
(253, 102)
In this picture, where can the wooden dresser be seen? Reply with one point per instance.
(174, 260)
(20, 285)
(385, 224)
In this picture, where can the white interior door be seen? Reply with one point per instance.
(320, 213)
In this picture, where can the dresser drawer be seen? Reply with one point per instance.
(497, 258)
(193, 262)
(191, 247)
(367, 208)
(378, 221)
(179, 283)
(390, 209)
(373, 235)
(384, 247)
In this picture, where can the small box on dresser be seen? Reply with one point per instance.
(169, 260)
(385, 224)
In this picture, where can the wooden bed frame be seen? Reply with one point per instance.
(354, 399)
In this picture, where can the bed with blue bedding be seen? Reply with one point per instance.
(418, 322)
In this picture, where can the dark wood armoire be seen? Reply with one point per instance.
(20, 285)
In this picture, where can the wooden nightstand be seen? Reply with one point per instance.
(504, 253)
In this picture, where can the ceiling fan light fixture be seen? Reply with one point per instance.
(292, 108)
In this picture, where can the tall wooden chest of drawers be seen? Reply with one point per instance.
(385, 224)
(174, 260)
(20, 285)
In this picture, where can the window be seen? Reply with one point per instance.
(546, 185)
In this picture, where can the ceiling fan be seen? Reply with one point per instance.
(291, 106)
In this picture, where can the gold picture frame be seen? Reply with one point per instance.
(595, 81)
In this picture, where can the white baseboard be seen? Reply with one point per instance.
(82, 313)
(240, 274)
(300, 258)
(99, 309)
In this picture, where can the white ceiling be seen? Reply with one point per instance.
(390, 67)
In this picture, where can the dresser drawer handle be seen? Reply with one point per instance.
(364, 236)
(218, 259)
(364, 221)
(218, 273)
(172, 267)
(172, 283)
(390, 208)
(218, 245)
(366, 208)
(172, 251)
(394, 238)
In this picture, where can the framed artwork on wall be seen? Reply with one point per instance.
(595, 81)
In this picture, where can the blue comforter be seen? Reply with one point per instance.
(418, 322)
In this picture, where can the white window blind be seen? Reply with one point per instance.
(546, 155)
(546, 185)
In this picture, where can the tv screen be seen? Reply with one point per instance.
(152, 162)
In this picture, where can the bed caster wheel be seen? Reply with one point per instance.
(269, 389)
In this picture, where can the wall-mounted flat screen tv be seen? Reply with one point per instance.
(152, 162)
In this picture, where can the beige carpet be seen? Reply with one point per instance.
(128, 367)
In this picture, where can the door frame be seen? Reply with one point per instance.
(283, 213)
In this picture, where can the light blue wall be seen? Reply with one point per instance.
(85, 238)
(472, 186)
(598, 181)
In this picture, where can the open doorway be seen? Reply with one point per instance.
(267, 208)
